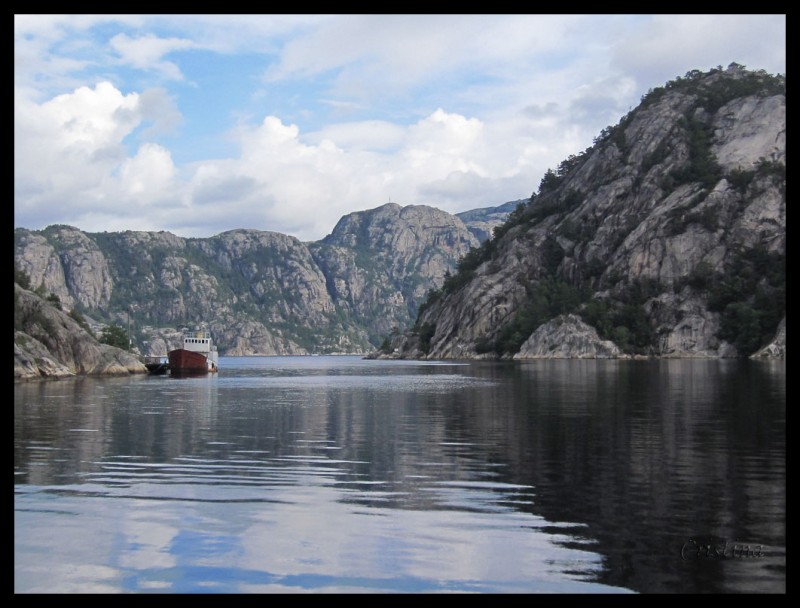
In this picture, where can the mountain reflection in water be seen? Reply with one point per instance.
(335, 474)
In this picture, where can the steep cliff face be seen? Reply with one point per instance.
(381, 263)
(667, 236)
(276, 290)
(49, 343)
(260, 292)
(67, 263)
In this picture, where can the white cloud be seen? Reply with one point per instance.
(362, 135)
(444, 142)
(159, 108)
(40, 69)
(71, 157)
(147, 175)
(280, 180)
(146, 52)
(668, 46)
(455, 111)
(67, 145)
(445, 160)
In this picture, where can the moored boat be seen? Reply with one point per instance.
(198, 355)
(156, 364)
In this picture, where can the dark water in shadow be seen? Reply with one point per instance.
(334, 474)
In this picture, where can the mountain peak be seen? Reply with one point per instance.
(667, 236)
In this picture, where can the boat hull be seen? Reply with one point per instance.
(157, 369)
(182, 361)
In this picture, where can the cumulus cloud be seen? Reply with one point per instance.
(77, 147)
(454, 111)
(285, 183)
(159, 108)
(71, 155)
(146, 52)
(148, 174)
(68, 144)
(362, 135)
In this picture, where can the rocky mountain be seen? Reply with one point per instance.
(260, 292)
(51, 343)
(381, 264)
(481, 222)
(667, 237)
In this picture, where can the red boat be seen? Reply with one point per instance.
(198, 355)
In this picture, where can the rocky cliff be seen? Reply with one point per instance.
(50, 343)
(567, 337)
(260, 292)
(381, 264)
(667, 237)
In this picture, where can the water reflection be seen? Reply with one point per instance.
(655, 453)
(335, 474)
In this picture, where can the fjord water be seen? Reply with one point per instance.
(337, 474)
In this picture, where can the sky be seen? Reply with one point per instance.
(199, 124)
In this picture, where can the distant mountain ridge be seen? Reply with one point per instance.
(481, 222)
(666, 238)
(260, 292)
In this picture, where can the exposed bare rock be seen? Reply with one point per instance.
(259, 292)
(689, 329)
(250, 338)
(777, 348)
(67, 263)
(482, 222)
(668, 236)
(32, 360)
(381, 263)
(49, 343)
(567, 337)
(748, 129)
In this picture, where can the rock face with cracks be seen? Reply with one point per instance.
(667, 237)
(260, 292)
(48, 343)
(567, 337)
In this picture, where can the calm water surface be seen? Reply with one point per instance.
(336, 474)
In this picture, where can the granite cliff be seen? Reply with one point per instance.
(49, 343)
(380, 265)
(260, 292)
(667, 238)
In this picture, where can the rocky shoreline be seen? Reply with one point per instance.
(49, 344)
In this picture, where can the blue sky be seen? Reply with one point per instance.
(197, 124)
